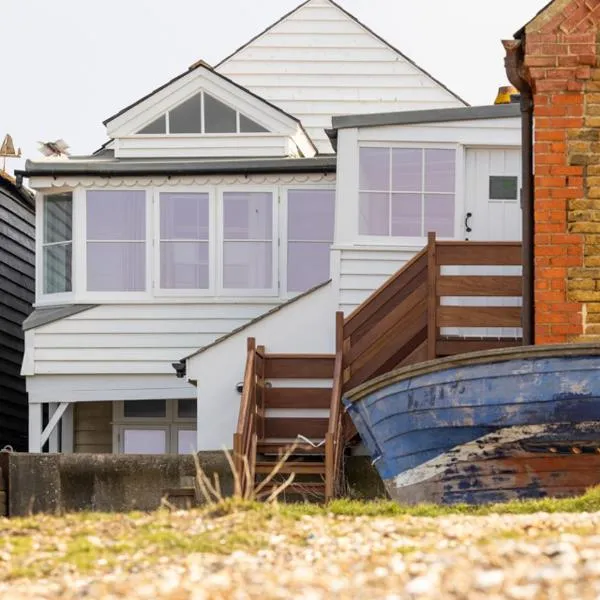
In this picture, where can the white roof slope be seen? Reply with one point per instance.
(319, 61)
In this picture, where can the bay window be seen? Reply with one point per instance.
(116, 240)
(57, 243)
(248, 241)
(407, 192)
(184, 241)
(310, 218)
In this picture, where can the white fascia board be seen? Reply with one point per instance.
(180, 90)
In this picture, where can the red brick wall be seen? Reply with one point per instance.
(561, 56)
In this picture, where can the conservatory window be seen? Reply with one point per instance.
(184, 241)
(247, 240)
(407, 192)
(116, 241)
(202, 113)
(57, 243)
(310, 235)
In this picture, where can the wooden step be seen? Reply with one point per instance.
(299, 468)
(289, 427)
(298, 398)
(307, 490)
(299, 366)
(280, 448)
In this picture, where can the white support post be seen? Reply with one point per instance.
(54, 420)
(66, 431)
(35, 428)
(53, 439)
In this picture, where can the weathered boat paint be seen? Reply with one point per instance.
(485, 427)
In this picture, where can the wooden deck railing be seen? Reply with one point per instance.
(251, 418)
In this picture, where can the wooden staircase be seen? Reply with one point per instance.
(400, 324)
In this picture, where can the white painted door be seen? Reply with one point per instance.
(493, 194)
(492, 213)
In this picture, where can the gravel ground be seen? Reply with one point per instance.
(253, 554)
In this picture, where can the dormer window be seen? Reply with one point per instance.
(202, 114)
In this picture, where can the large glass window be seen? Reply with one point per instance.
(116, 241)
(202, 113)
(310, 235)
(407, 192)
(248, 240)
(184, 237)
(57, 243)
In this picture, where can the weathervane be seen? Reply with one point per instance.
(7, 150)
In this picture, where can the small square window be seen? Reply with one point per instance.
(145, 409)
(504, 188)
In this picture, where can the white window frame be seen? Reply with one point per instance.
(459, 192)
(212, 242)
(275, 290)
(283, 228)
(61, 297)
(203, 133)
(170, 423)
(98, 297)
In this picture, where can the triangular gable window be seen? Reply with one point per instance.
(202, 113)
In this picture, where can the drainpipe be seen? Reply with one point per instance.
(513, 62)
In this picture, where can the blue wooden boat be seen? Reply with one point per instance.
(485, 427)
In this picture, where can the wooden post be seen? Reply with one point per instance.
(35, 427)
(261, 393)
(432, 301)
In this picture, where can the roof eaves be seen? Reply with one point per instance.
(256, 320)
(21, 193)
(416, 117)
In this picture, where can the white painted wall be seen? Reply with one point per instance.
(304, 326)
(361, 263)
(319, 62)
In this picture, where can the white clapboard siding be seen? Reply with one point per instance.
(320, 61)
(362, 271)
(134, 339)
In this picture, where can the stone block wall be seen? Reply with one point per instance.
(561, 59)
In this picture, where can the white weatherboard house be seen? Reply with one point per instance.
(226, 204)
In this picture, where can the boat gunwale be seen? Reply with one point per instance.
(470, 359)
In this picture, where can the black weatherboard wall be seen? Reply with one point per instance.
(17, 293)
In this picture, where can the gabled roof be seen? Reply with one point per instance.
(198, 65)
(18, 192)
(356, 20)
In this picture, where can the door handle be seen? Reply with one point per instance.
(467, 218)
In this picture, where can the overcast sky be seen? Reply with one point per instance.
(70, 64)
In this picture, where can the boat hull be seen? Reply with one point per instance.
(488, 427)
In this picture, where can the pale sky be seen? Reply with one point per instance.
(70, 64)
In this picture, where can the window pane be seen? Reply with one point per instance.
(249, 126)
(184, 216)
(156, 127)
(57, 269)
(187, 409)
(186, 118)
(58, 218)
(504, 188)
(374, 169)
(144, 441)
(184, 265)
(407, 170)
(145, 408)
(311, 215)
(248, 215)
(374, 214)
(116, 267)
(308, 265)
(186, 441)
(439, 214)
(116, 215)
(406, 215)
(248, 265)
(218, 117)
(439, 171)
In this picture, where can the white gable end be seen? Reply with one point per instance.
(319, 62)
(203, 114)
